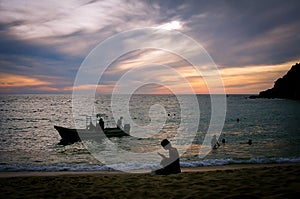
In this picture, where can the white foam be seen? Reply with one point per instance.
(146, 165)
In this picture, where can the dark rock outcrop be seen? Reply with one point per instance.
(287, 87)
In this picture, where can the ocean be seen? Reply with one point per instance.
(29, 142)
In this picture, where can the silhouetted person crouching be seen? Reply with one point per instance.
(171, 164)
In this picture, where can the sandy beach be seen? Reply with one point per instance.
(235, 181)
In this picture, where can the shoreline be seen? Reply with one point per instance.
(241, 181)
(10, 174)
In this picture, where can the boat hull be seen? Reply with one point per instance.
(70, 136)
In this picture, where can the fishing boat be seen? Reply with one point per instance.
(71, 135)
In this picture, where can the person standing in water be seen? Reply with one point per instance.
(214, 142)
(120, 123)
(101, 123)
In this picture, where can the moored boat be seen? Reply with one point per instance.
(71, 135)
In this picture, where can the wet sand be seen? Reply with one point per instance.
(234, 181)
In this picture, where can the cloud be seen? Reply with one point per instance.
(149, 65)
(73, 26)
(48, 40)
(253, 79)
(38, 66)
(76, 26)
(237, 33)
(10, 81)
(244, 79)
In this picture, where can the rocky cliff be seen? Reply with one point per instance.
(287, 86)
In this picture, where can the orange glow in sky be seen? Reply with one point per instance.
(12, 80)
(237, 80)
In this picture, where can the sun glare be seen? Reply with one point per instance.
(173, 25)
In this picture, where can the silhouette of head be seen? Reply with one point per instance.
(249, 142)
(164, 143)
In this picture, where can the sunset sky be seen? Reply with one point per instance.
(43, 43)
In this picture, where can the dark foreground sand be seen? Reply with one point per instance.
(264, 181)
